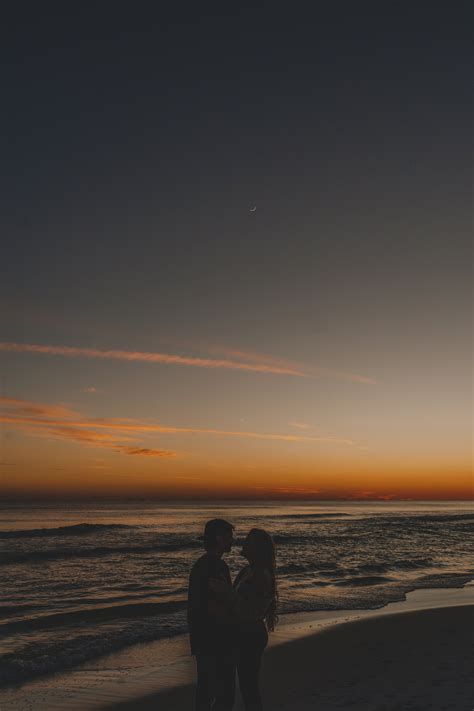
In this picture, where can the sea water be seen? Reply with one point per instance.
(84, 579)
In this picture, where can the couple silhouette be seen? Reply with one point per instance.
(229, 622)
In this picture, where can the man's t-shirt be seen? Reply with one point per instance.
(210, 628)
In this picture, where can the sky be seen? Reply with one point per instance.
(236, 258)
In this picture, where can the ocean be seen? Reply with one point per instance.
(81, 580)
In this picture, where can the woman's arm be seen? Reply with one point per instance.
(254, 596)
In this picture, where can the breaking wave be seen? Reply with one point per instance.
(79, 529)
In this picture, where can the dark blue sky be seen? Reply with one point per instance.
(135, 143)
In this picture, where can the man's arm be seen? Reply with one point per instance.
(220, 596)
(196, 603)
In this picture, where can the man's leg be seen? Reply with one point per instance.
(205, 684)
(225, 682)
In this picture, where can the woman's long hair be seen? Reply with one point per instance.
(265, 558)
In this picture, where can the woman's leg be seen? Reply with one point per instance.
(248, 669)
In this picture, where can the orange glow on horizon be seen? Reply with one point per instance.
(56, 449)
(112, 478)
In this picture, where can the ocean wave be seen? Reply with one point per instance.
(10, 610)
(90, 616)
(78, 529)
(42, 658)
(410, 519)
(288, 538)
(386, 566)
(328, 568)
(281, 539)
(309, 516)
(447, 517)
(295, 568)
(411, 564)
(93, 552)
(360, 582)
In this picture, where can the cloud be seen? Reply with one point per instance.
(90, 389)
(170, 359)
(234, 360)
(288, 490)
(307, 369)
(137, 426)
(372, 496)
(145, 452)
(37, 409)
(86, 435)
(42, 420)
(118, 430)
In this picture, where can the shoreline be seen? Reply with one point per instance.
(149, 671)
(413, 660)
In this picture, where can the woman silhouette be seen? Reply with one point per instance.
(256, 610)
(253, 600)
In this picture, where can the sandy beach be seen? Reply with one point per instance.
(414, 654)
(418, 660)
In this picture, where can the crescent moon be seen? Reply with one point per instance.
(253, 209)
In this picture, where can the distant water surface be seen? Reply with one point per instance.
(81, 580)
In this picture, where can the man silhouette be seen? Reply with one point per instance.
(210, 624)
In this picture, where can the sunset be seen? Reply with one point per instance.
(236, 296)
(313, 430)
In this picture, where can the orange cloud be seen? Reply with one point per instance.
(38, 409)
(170, 359)
(235, 360)
(291, 490)
(85, 435)
(308, 370)
(21, 418)
(145, 452)
(144, 427)
(44, 423)
(372, 495)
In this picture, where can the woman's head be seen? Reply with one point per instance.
(259, 550)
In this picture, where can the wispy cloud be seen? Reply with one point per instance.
(114, 431)
(145, 452)
(90, 389)
(170, 359)
(290, 490)
(42, 420)
(137, 426)
(309, 370)
(233, 360)
(38, 409)
(85, 435)
(363, 495)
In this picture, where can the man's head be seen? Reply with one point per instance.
(218, 536)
